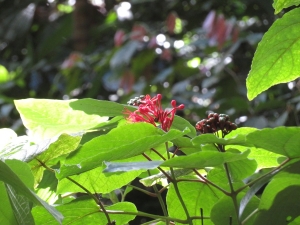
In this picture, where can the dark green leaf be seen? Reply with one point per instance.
(224, 212)
(276, 58)
(281, 197)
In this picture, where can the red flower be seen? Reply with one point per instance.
(150, 111)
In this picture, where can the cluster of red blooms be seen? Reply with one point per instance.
(149, 110)
(214, 123)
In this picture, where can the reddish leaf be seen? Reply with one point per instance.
(171, 21)
(138, 32)
(119, 38)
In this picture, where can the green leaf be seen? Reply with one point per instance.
(7, 216)
(4, 74)
(204, 159)
(49, 150)
(185, 145)
(280, 140)
(96, 181)
(219, 177)
(120, 143)
(195, 195)
(224, 212)
(21, 206)
(47, 118)
(276, 58)
(239, 139)
(252, 191)
(279, 5)
(242, 169)
(22, 170)
(281, 197)
(8, 176)
(264, 159)
(86, 211)
(180, 123)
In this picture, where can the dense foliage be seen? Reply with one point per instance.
(80, 157)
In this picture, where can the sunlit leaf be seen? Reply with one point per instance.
(280, 140)
(8, 176)
(281, 4)
(46, 118)
(204, 159)
(97, 181)
(86, 211)
(196, 195)
(276, 58)
(120, 143)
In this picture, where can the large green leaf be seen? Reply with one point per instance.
(180, 124)
(280, 140)
(46, 118)
(204, 159)
(86, 211)
(7, 216)
(96, 181)
(120, 143)
(263, 157)
(21, 206)
(49, 150)
(219, 177)
(276, 58)
(185, 145)
(224, 212)
(281, 197)
(238, 139)
(196, 195)
(281, 4)
(8, 176)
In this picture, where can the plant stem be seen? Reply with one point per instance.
(249, 216)
(175, 184)
(161, 202)
(160, 155)
(153, 216)
(98, 202)
(211, 183)
(233, 194)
